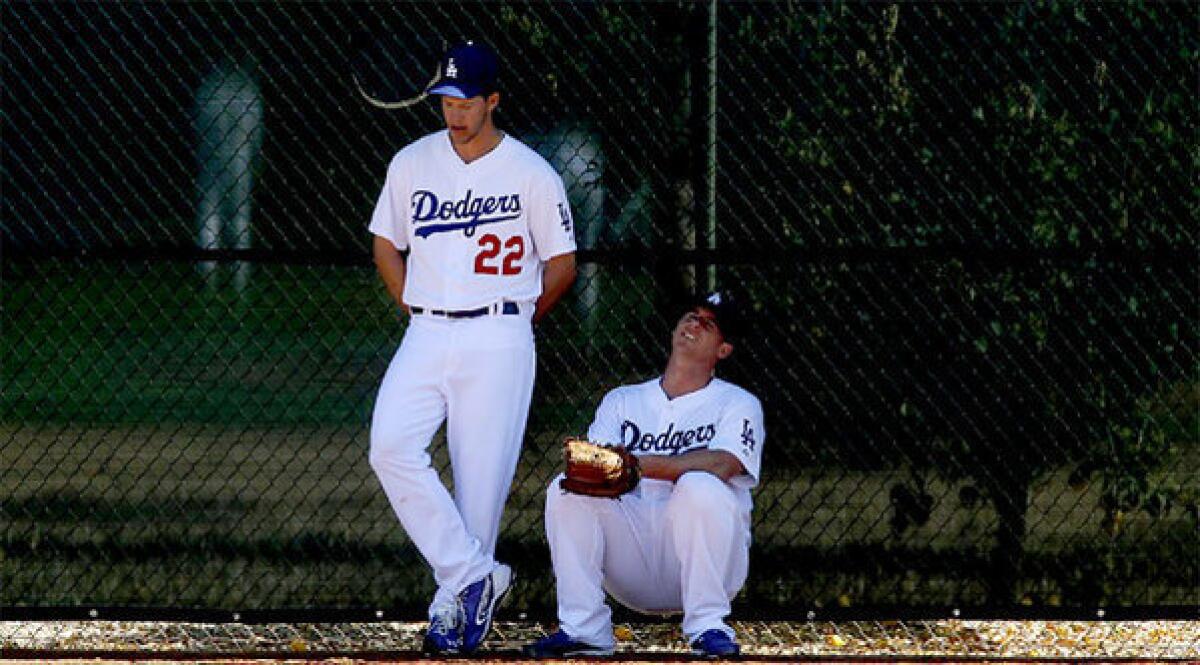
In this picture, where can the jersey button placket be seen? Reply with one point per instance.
(467, 257)
(664, 421)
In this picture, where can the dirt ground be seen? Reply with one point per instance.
(889, 641)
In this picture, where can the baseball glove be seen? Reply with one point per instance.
(598, 470)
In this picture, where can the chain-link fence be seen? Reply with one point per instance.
(967, 231)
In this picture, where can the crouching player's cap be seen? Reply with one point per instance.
(726, 311)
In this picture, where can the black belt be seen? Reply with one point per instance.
(507, 308)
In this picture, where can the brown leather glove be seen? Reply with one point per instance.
(598, 470)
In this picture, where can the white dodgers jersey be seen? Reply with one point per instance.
(719, 416)
(476, 233)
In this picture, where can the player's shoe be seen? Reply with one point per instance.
(444, 635)
(715, 643)
(562, 645)
(479, 602)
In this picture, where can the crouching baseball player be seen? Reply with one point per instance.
(678, 538)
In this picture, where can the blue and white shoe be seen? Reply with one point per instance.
(444, 635)
(562, 645)
(715, 643)
(479, 602)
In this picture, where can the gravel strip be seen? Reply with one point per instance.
(1158, 640)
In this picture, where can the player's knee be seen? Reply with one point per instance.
(553, 489)
(379, 457)
(386, 454)
(701, 491)
(556, 499)
(560, 502)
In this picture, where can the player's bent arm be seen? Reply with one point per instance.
(721, 464)
(390, 263)
(556, 279)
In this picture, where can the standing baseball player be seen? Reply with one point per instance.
(474, 240)
(680, 541)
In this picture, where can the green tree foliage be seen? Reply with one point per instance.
(1037, 153)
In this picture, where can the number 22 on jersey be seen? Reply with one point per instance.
(499, 258)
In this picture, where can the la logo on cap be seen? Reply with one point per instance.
(451, 69)
(715, 299)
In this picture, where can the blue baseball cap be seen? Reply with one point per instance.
(467, 70)
(726, 309)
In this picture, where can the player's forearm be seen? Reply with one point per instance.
(670, 467)
(390, 263)
(556, 280)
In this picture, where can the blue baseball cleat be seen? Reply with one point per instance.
(444, 635)
(479, 601)
(562, 645)
(715, 643)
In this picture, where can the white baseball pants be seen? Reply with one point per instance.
(477, 375)
(663, 548)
